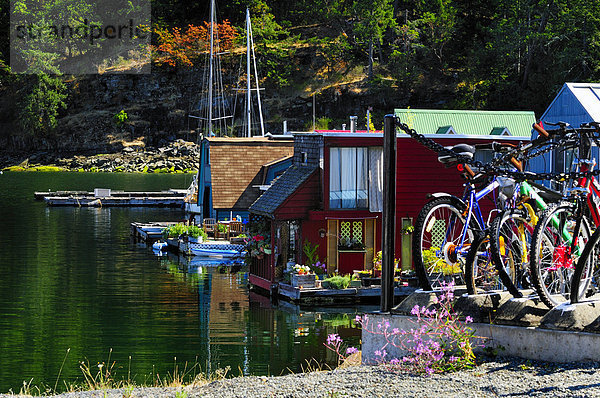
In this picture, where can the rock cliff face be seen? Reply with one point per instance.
(158, 104)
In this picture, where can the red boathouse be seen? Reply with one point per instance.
(331, 196)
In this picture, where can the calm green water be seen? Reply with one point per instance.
(72, 279)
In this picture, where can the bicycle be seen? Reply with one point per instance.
(471, 238)
(447, 225)
(499, 260)
(585, 280)
(564, 230)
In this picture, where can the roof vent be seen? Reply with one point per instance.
(353, 120)
(500, 131)
(445, 130)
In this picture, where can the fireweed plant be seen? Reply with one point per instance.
(439, 342)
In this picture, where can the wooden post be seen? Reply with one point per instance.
(388, 243)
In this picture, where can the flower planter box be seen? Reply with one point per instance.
(355, 283)
(195, 240)
(366, 282)
(303, 281)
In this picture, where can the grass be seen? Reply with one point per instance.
(51, 169)
(104, 376)
(34, 168)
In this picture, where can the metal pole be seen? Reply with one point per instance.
(210, 68)
(314, 113)
(248, 80)
(388, 221)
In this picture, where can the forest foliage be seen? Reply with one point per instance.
(489, 54)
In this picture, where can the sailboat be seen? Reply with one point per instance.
(214, 115)
(214, 110)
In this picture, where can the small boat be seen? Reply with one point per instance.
(159, 245)
(216, 253)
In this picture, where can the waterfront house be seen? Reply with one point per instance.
(575, 103)
(331, 196)
(234, 172)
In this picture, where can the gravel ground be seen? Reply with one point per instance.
(503, 377)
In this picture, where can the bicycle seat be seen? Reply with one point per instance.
(546, 193)
(460, 150)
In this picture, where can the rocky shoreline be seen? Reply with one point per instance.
(134, 157)
(493, 378)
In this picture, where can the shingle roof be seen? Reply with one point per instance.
(428, 121)
(236, 165)
(281, 189)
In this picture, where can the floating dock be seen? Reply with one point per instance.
(148, 232)
(102, 197)
(318, 296)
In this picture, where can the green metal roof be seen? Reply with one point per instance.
(429, 121)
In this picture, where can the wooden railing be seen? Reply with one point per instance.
(262, 267)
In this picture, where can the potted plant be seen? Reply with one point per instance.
(257, 247)
(196, 234)
(337, 282)
(221, 229)
(319, 269)
(355, 281)
(302, 277)
(239, 240)
(407, 230)
(350, 244)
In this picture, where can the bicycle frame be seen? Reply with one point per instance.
(473, 211)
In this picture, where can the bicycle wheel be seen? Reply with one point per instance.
(436, 239)
(480, 273)
(552, 262)
(586, 282)
(510, 241)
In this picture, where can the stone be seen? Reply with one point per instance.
(421, 298)
(481, 307)
(583, 316)
(526, 311)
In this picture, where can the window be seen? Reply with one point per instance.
(348, 178)
(351, 235)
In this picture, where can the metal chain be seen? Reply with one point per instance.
(492, 168)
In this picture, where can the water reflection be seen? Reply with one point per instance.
(246, 330)
(72, 279)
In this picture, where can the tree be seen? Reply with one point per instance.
(176, 47)
(41, 105)
(372, 18)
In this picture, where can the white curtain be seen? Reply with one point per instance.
(376, 179)
(349, 178)
(335, 188)
(362, 178)
(348, 156)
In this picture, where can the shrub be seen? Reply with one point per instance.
(338, 282)
(195, 231)
(175, 231)
(121, 118)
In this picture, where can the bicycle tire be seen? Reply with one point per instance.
(550, 262)
(510, 240)
(591, 268)
(431, 226)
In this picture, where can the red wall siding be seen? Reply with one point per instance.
(306, 198)
(418, 173)
(310, 231)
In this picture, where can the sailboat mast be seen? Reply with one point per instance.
(248, 78)
(262, 124)
(210, 68)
